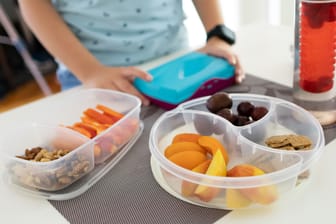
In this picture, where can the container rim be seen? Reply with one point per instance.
(110, 91)
(35, 124)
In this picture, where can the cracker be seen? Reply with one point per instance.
(289, 142)
(300, 141)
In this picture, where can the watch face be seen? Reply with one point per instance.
(223, 33)
(228, 33)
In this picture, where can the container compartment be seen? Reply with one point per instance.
(55, 174)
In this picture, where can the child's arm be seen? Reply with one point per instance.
(209, 12)
(210, 15)
(49, 27)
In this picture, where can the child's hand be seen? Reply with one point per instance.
(117, 78)
(220, 48)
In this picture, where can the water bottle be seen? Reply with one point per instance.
(314, 85)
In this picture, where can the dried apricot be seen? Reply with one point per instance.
(188, 159)
(188, 188)
(212, 145)
(186, 137)
(183, 146)
(265, 194)
(244, 170)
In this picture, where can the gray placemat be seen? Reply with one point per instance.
(129, 193)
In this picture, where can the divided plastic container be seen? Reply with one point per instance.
(245, 145)
(53, 175)
(100, 153)
(67, 111)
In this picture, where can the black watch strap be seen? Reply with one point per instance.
(223, 32)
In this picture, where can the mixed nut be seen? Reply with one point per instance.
(40, 154)
(71, 169)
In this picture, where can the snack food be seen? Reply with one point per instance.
(221, 104)
(74, 167)
(40, 154)
(245, 146)
(289, 142)
(206, 155)
(98, 119)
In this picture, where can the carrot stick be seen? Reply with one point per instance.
(99, 127)
(99, 117)
(109, 111)
(80, 130)
(93, 131)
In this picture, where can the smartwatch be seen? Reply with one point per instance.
(223, 32)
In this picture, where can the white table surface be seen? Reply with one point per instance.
(269, 56)
(265, 52)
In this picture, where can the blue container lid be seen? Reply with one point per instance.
(177, 80)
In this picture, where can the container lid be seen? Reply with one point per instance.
(179, 79)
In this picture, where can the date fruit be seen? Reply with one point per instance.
(258, 113)
(221, 104)
(245, 108)
(219, 101)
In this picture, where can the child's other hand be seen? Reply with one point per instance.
(117, 78)
(220, 48)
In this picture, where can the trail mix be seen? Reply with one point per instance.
(40, 154)
(70, 170)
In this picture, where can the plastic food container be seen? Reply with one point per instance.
(48, 175)
(103, 151)
(68, 110)
(187, 77)
(79, 186)
(283, 169)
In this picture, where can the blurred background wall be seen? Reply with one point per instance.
(241, 13)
